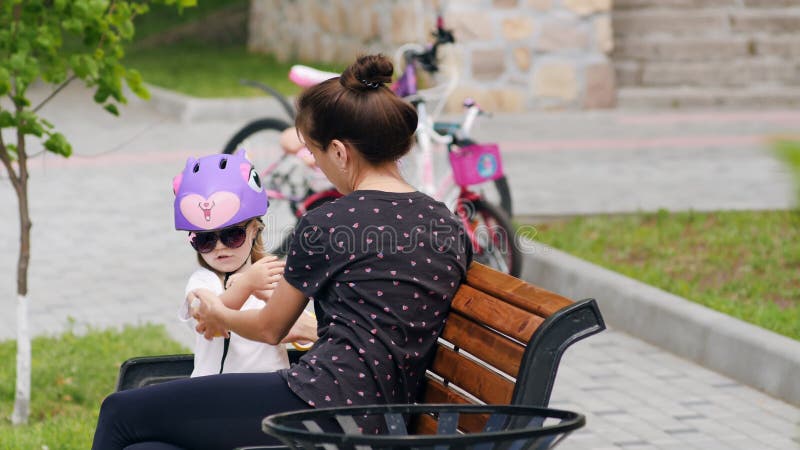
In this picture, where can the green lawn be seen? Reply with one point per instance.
(207, 71)
(745, 264)
(208, 62)
(71, 375)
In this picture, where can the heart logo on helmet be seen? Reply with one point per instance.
(212, 212)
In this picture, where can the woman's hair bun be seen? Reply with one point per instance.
(368, 72)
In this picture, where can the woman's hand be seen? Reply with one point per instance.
(304, 330)
(205, 307)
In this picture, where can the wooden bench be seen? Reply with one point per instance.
(502, 344)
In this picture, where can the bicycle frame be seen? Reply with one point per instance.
(427, 137)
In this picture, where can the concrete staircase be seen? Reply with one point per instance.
(707, 53)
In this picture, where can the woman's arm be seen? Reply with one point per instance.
(270, 324)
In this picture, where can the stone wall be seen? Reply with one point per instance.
(513, 55)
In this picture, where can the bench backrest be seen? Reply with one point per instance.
(503, 341)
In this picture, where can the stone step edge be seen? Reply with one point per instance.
(633, 97)
(186, 108)
(744, 352)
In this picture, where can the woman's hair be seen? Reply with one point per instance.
(257, 252)
(359, 109)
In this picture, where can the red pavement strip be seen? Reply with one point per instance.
(635, 143)
(790, 117)
(631, 143)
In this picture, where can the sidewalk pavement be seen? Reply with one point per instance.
(105, 253)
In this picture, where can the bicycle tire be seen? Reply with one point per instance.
(252, 128)
(503, 256)
(263, 154)
(500, 185)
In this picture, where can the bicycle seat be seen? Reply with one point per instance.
(305, 76)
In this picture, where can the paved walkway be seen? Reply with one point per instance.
(105, 253)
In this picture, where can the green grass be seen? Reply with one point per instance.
(206, 63)
(208, 71)
(163, 17)
(788, 150)
(744, 264)
(71, 375)
(204, 71)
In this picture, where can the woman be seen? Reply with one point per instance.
(381, 264)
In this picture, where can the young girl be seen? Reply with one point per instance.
(382, 264)
(219, 200)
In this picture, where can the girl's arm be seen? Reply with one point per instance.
(258, 279)
(271, 324)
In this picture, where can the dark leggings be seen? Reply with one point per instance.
(212, 412)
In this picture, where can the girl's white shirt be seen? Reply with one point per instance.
(244, 355)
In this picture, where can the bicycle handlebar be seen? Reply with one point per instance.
(428, 59)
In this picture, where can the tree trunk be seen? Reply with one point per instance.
(22, 400)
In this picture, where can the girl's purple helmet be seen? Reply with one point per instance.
(217, 191)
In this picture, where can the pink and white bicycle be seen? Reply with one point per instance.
(471, 180)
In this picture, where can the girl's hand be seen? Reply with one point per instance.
(205, 308)
(263, 276)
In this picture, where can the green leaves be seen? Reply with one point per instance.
(5, 81)
(52, 40)
(58, 144)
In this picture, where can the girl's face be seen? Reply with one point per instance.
(226, 260)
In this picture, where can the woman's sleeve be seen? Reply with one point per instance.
(308, 262)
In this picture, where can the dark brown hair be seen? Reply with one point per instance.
(359, 109)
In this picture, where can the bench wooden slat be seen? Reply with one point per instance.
(496, 313)
(424, 424)
(436, 392)
(479, 381)
(515, 291)
(483, 343)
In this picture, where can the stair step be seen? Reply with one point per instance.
(671, 48)
(699, 4)
(694, 98)
(705, 22)
(710, 48)
(673, 4)
(750, 72)
(670, 22)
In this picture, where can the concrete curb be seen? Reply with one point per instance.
(747, 353)
(191, 109)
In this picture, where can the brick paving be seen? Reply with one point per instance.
(105, 253)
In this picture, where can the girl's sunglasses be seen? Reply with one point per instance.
(232, 237)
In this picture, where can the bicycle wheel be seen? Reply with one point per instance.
(261, 139)
(496, 191)
(492, 234)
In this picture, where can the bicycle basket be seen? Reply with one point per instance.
(438, 427)
(475, 164)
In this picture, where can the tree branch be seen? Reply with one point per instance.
(53, 94)
(7, 164)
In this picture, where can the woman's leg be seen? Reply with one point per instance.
(213, 412)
